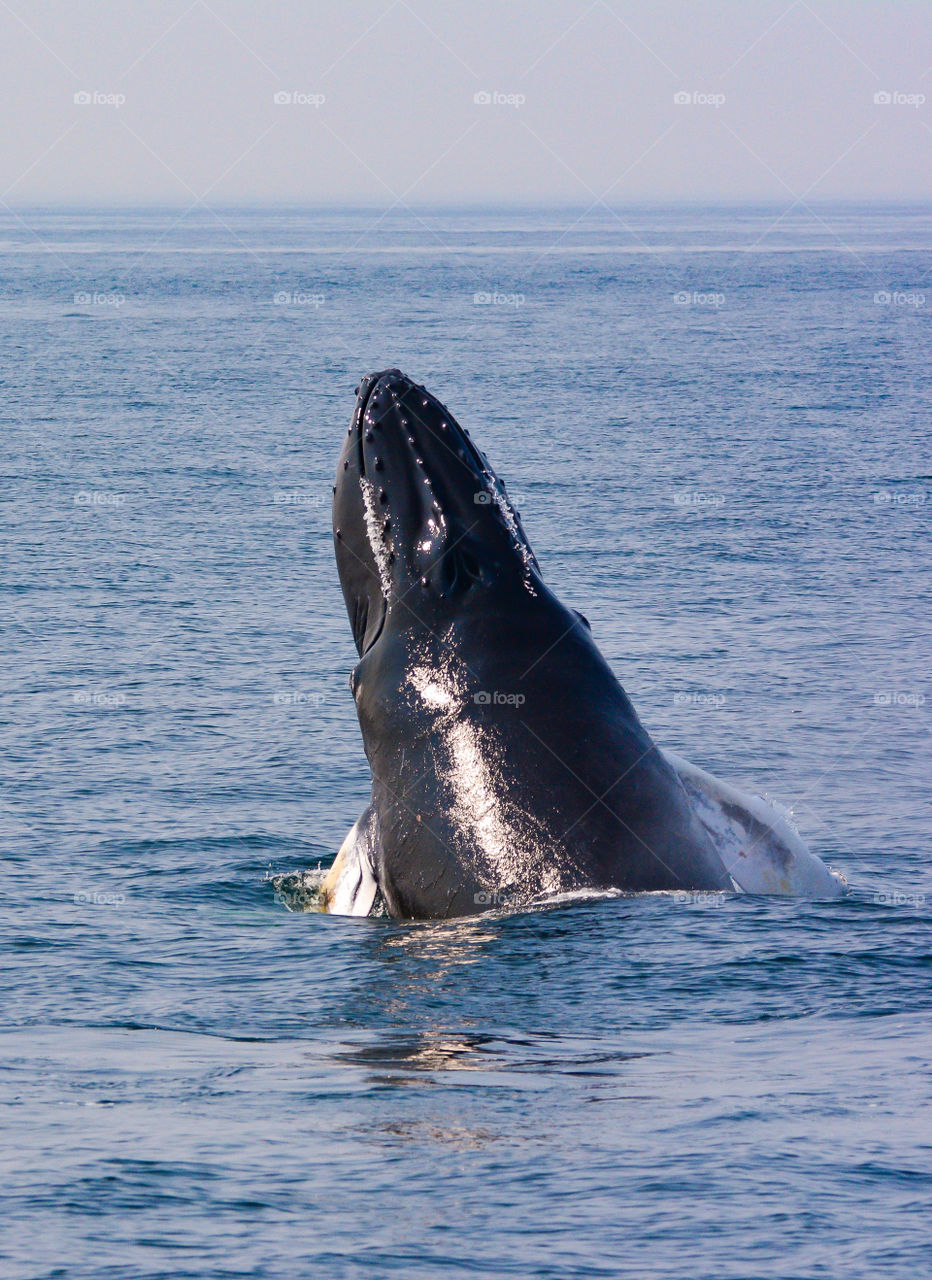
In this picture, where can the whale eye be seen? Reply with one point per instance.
(458, 571)
(359, 621)
(469, 565)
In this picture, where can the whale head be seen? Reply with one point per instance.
(423, 527)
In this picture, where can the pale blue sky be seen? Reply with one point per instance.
(780, 100)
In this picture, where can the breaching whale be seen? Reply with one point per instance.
(508, 763)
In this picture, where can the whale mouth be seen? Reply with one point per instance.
(420, 516)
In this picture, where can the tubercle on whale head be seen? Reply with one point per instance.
(422, 524)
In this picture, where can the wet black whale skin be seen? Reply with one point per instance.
(507, 761)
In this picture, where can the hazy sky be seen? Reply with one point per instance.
(779, 100)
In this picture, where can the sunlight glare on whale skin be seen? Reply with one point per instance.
(499, 829)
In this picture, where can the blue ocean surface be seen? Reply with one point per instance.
(715, 423)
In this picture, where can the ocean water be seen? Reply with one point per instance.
(716, 425)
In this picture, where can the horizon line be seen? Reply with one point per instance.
(547, 203)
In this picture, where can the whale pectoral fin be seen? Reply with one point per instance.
(761, 849)
(331, 882)
(583, 619)
(350, 887)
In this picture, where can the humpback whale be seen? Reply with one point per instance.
(508, 763)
